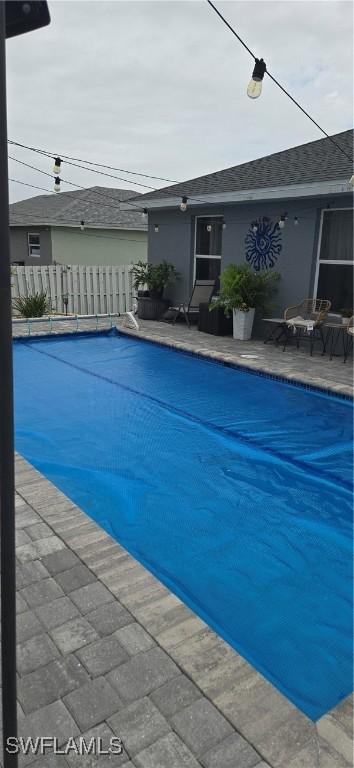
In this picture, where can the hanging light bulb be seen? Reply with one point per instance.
(82, 225)
(145, 213)
(296, 221)
(183, 206)
(254, 227)
(156, 227)
(281, 222)
(223, 224)
(209, 227)
(57, 184)
(57, 166)
(255, 84)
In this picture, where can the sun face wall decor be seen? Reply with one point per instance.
(263, 243)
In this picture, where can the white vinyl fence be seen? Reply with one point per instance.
(89, 290)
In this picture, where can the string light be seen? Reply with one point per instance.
(254, 227)
(296, 221)
(254, 89)
(209, 227)
(57, 184)
(183, 206)
(281, 222)
(223, 224)
(156, 227)
(57, 166)
(82, 225)
(145, 213)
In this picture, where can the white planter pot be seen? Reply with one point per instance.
(242, 324)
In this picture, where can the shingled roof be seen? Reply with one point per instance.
(98, 207)
(317, 161)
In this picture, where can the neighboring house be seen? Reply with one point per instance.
(47, 229)
(235, 220)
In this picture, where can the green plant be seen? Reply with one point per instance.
(35, 305)
(155, 276)
(346, 312)
(243, 289)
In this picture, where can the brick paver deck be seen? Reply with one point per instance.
(105, 649)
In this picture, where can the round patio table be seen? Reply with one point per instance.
(333, 331)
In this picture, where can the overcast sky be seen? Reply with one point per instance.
(160, 87)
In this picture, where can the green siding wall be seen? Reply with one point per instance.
(101, 247)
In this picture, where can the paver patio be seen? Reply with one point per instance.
(105, 649)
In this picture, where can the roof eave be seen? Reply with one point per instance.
(315, 189)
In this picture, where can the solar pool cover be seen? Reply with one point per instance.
(234, 489)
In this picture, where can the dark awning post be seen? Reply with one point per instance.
(15, 18)
(7, 503)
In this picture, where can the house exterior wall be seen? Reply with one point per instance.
(98, 247)
(19, 246)
(296, 262)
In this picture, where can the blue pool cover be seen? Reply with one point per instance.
(234, 489)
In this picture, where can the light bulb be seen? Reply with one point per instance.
(209, 227)
(183, 206)
(156, 227)
(144, 213)
(254, 89)
(254, 227)
(223, 225)
(82, 225)
(296, 221)
(281, 223)
(57, 184)
(57, 165)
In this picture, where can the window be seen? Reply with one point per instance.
(208, 245)
(34, 245)
(335, 271)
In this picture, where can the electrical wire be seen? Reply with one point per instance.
(25, 184)
(102, 173)
(89, 162)
(211, 4)
(78, 186)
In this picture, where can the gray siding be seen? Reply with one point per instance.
(296, 263)
(19, 245)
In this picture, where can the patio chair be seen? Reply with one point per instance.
(201, 294)
(306, 318)
(349, 337)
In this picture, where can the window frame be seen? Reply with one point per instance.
(319, 261)
(32, 255)
(201, 255)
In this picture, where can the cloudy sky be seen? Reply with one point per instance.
(160, 87)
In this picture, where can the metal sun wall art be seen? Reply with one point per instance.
(263, 243)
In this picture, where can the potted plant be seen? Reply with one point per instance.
(346, 315)
(242, 292)
(150, 281)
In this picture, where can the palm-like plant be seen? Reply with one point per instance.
(243, 289)
(35, 305)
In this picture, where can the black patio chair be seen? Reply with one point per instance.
(201, 294)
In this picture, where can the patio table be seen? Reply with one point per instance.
(333, 331)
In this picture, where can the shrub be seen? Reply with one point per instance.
(155, 276)
(35, 305)
(242, 288)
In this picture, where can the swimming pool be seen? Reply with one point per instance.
(232, 488)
